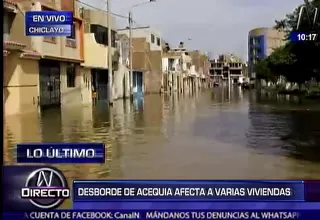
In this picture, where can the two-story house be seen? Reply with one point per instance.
(147, 59)
(21, 72)
(53, 76)
(172, 68)
(95, 65)
(201, 64)
(59, 67)
(177, 68)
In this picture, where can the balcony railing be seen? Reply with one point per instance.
(235, 65)
(216, 65)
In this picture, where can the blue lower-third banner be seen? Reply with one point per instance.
(193, 190)
(49, 30)
(167, 214)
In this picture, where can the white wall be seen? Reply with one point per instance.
(176, 64)
(193, 70)
(70, 95)
(185, 59)
(81, 93)
(123, 49)
(121, 86)
(165, 64)
(86, 87)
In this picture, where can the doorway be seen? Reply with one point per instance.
(138, 83)
(49, 77)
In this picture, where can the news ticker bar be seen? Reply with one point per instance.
(167, 214)
(48, 23)
(175, 190)
(61, 153)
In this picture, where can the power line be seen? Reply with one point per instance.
(99, 9)
(105, 11)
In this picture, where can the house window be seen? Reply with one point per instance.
(73, 32)
(259, 50)
(158, 41)
(259, 40)
(100, 33)
(52, 40)
(7, 23)
(252, 50)
(71, 75)
(152, 38)
(252, 41)
(113, 38)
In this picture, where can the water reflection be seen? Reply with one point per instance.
(294, 129)
(208, 135)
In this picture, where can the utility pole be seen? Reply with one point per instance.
(229, 76)
(130, 43)
(131, 54)
(229, 82)
(199, 75)
(110, 69)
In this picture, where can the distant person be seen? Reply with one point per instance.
(94, 95)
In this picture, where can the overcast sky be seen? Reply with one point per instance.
(215, 26)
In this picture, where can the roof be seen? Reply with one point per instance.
(29, 54)
(61, 58)
(171, 54)
(11, 5)
(10, 2)
(13, 45)
(262, 31)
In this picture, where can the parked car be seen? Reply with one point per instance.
(245, 86)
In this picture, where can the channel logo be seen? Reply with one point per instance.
(46, 188)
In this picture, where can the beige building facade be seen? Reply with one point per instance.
(183, 71)
(95, 64)
(44, 72)
(20, 82)
(41, 71)
(147, 58)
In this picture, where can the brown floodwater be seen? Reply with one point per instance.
(210, 135)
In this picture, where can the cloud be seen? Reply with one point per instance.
(215, 26)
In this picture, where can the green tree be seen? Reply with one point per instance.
(280, 59)
(306, 63)
(289, 23)
(263, 71)
(283, 62)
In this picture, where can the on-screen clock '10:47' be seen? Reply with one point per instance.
(303, 37)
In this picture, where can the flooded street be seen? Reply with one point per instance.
(205, 136)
